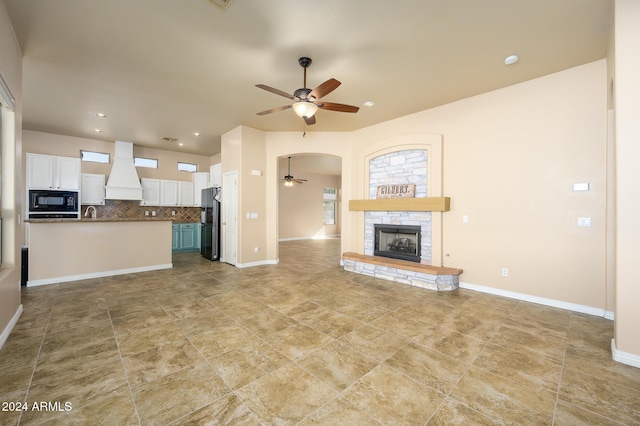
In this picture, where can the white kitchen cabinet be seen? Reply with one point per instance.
(92, 189)
(186, 194)
(215, 178)
(168, 192)
(52, 172)
(150, 192)
(163, 192)
(200, 182)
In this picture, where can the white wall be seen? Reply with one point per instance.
(11, 71)
(627, 148)
(300, 207)
(509, 159)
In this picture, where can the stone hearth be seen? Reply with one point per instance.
(437, 278)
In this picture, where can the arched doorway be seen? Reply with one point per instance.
(309, 210)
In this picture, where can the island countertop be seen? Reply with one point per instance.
(100, 220)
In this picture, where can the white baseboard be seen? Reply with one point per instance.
(321, 237)
(55, 280)
(540, 300)
(258, 263)
(9, 328)
(624, 357)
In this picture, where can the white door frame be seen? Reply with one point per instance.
(229, 252)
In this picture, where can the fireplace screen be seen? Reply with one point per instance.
(398, 242)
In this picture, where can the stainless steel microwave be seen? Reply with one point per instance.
(53, 204)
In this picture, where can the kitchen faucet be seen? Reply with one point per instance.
(93, 212)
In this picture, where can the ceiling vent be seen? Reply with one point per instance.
(222, 4)
(166, 139)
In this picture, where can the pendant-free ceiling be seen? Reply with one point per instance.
(306, 100)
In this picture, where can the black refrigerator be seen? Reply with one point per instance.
(210, 223)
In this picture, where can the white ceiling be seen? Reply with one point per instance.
(168, 68)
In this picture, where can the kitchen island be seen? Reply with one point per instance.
(62, 250)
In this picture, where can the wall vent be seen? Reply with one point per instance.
(222, 4)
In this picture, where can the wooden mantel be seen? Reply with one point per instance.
(425, 204)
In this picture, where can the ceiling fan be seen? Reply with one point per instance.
(306, 101)
(289, 180)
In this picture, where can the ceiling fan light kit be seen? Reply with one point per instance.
(305, 109)
(306, 101)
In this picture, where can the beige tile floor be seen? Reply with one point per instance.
(305, 343)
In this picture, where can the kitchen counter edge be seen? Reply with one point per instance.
(98, 220)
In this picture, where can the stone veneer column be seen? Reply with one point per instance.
(399, 167)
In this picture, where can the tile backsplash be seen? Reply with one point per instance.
(129, 209)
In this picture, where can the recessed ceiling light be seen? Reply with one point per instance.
(181, 144)
(196, 133)
(97, 130)
(511, 59)
(101, 115)
(368, 103)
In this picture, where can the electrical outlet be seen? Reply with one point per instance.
(146, 212)
(256, 249)
(505, 272)
(153, 212)
(173, 212)
(465, 219)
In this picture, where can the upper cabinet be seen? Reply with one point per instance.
(169, 192)
(92, 189)
(200, 182)
(186, 195)
(163, 192)
(150, 192)
(215, 178)
(52, 172)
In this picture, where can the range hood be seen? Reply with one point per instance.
(123, 183)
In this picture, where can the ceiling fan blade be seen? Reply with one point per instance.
(310, 120)
(274, 90)
(337, 107)
(269, 111)
(300, 180)
(324, 89)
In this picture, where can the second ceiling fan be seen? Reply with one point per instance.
(288, 179)
(307, 101)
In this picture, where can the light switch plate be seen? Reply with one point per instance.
(584, 186)
(584, 222)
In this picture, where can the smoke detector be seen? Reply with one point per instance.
(222, 4)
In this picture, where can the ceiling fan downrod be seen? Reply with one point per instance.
(304, 63)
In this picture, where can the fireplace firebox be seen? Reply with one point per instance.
(397, 242)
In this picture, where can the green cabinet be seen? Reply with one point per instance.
(185, 237)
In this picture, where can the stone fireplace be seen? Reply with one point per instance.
(397, 241)
(399, 167)
(419, 168)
